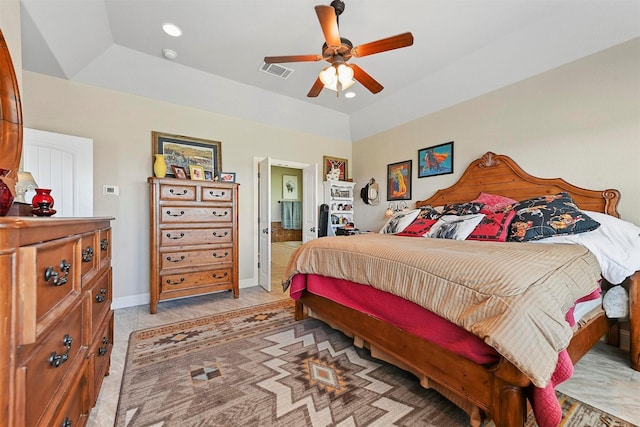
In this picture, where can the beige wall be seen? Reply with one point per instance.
(580, 122)
(121, 126)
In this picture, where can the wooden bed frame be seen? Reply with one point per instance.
(497, 391)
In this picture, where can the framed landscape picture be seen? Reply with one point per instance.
(435, 160)
(399, 181)
(184, 151)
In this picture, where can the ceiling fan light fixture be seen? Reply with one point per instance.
(171, 29)
(333, 74)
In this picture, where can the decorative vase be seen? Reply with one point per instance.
(160, 166)
(43, 195)
(6, 196)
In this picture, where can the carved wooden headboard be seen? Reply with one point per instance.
(10, 113)
(499, 174)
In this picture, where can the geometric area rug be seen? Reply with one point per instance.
(257, 366)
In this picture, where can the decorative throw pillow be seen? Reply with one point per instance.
(418, 228)
(494, 227)
(455, 227)
(493, 202)
(547, 216)
(399, 221)
(469, 208)
(429, 212)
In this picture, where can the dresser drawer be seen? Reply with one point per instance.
(53, 361)
(75, 409)
(99, 302)
(89, 255)
(173, 282)
(49, 281)
(195, 236)
(216, 194)
(100, 355)
(181, 259)
(177, 192)
(183, 214)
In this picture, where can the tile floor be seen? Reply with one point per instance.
(602, 378)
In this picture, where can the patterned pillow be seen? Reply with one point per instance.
(429, 212)
(547, 216)
(399, 221)
(418, 228)
(494, 227)
(493, 202)
(454, 227)
(469, 208)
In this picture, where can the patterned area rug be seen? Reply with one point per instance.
(259, 367)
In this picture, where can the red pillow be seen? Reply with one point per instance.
(418, 228)
(494, 227)
(493, 202)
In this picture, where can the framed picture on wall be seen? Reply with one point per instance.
(335, 167)
(435, 160)
(399, 181)
(183, 151)
(289, 187)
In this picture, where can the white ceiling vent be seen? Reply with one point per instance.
(276, 70)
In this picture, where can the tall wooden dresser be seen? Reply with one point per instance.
(194, 238)
(55, 317)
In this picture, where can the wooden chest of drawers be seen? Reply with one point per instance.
(194, 238)
(56, 342)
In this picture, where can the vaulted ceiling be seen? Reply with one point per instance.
(462, 49)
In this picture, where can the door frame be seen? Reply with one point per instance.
(256, 196)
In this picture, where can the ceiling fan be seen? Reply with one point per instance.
(338, 50)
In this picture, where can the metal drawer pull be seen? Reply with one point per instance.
(169, 282)
(55, 359)
(214, 194)
(87, 254)
(214, 213)
(215, 255)
(215, 275)
(101, 296)
(178, 194)
(175, 260)
(104, 244)
(57, 280)
(179, 214)
(103, 350)
(215, 234)
(169, 236)
(66, 422)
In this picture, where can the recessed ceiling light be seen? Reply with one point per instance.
(169, 54)
(350, 95)
(172, 29)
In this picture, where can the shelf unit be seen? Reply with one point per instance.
(338, 195)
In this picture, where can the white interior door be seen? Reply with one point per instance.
(264, 223)
(63, 163)
(309, 203)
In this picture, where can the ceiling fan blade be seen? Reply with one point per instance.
(365, 79)
(291, 58)
(316, 88)
(329, 24)
(383, 45)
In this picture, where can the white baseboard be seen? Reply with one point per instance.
(143, 299)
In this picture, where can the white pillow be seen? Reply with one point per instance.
(615, 244)
(399, 221)
(454, 227)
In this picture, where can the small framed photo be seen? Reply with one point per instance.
(290, 187)
(196, 172)
(228, 176)
(399, 181)
(435, 160)
(208, 175)
(179, 172)
(335, 168)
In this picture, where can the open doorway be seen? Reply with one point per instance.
(281, 182)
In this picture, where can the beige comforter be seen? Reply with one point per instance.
(512, 295)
